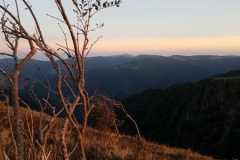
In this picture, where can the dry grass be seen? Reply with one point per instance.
(99, 145)
(130, 148)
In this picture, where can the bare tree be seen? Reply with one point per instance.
(73, 79)
(13, 30)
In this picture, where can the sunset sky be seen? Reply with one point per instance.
(162, 27)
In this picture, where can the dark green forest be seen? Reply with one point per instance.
(203, 116)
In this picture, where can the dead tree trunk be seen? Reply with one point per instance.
(17, 116)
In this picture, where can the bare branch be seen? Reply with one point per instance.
(6, 54)
(120, 106)
(74, 26)
(92, 45)
(6, 75)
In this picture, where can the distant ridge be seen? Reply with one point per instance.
(150, 71)
(122, 75)
(234, 73)
(125, 55)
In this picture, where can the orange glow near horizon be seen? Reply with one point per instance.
(218, 45)
(213, 44)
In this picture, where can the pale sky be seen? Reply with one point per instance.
(161, 27)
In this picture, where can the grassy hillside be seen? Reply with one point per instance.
(99, 145)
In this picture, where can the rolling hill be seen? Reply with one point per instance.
(157, 71)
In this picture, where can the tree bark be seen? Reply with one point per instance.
(63, 140)
(17, 116)
(81, 146)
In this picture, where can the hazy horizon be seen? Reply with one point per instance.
(41, 57)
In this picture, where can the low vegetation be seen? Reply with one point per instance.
(99, 145)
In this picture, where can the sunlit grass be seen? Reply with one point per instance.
(98, 144)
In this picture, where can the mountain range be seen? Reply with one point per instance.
(124, 75)
(146, 71)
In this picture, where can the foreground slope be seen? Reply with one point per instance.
(99, 144)
(203, 116)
